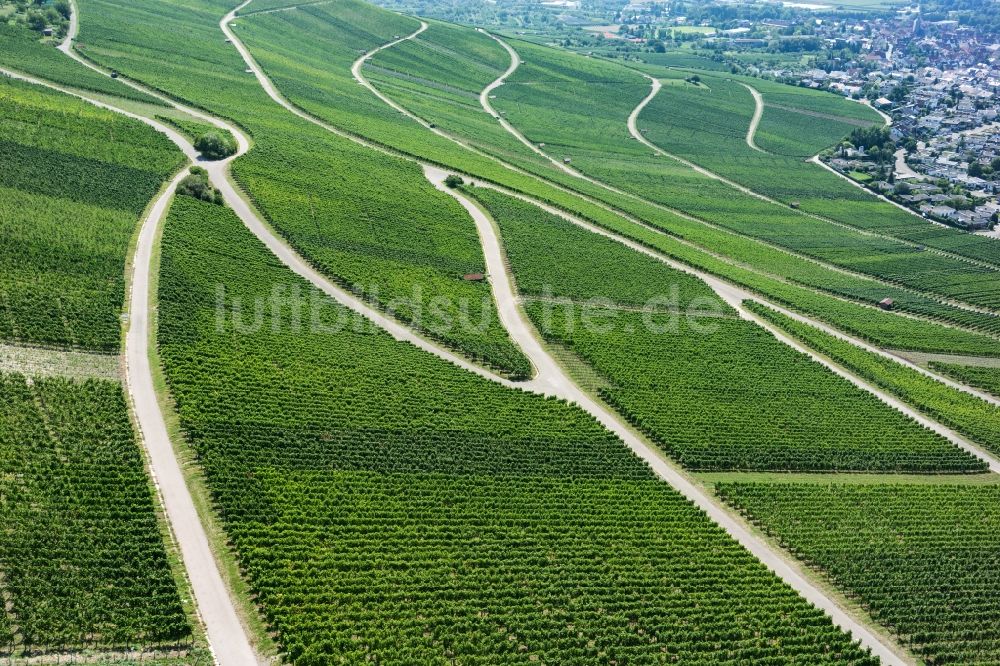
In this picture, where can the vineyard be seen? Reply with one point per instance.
(588, 267)
(431, 93)
(544, 99)
(975, 418)
(21, 51)
(924, 560)
(986, 378)
(722, 394)
(387, 506)
(74, 181)
(82, 560)
(707, 125)
(368, 221)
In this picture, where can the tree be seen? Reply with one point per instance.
(213, 146)
(975, 169)
(453, 181)
(36, 20)
(196, 185)
(63, 7)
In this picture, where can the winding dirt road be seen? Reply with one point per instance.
(635, 132)
(555, 378)
(484, 101)
(758, 111)
(228, 639)
(551, 379)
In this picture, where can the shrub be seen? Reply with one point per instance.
(215, 146)
(196, 185)
(454, 181)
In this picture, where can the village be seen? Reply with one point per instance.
(935, 79)
(938, 82)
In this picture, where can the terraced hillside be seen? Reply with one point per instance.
(555, 95)
(452, 363)
(431, 94)
(707, 124)
(326, 195)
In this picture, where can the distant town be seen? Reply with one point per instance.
(935, 80)
(932, 70)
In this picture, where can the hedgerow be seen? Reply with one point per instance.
(212, 142)
(385, 505)
(924, 560)
(83, 560)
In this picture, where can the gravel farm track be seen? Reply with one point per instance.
(228, 638)
(758, 111)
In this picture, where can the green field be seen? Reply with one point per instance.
(921, 559)
(82, 556)
(428, 91)
(374, 503)
(74, 182)
(985, 378)
(587, 267)
(386, 505)
(369, 221)
(975, 418)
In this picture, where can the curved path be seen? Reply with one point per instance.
(484, 101)
(635, 132)
(227, 637)
(758, 111)
(633, 129)
(360, 78)
(566, 388)
(903, 170)
(552, 379)
(730, 293)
